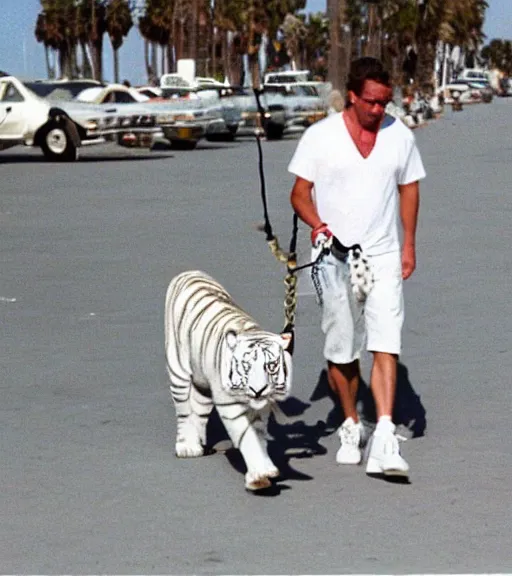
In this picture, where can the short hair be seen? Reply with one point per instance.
(363, 69)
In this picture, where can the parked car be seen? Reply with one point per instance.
(302, 102)
(110, 94)
(274, 113)
(468, 91)
(474, 74)
(60, 128)
(217, 118)
(61, 89)
(183, 121)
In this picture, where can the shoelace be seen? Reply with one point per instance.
(349, 435)
(392, 444)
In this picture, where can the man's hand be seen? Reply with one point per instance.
(320, 234)
(408, 260)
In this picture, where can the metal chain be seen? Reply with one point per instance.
(277, 251)
(290, 299)
(290, 280)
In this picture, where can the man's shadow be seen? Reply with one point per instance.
(409, 415)
(301, 440)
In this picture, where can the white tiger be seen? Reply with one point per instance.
(217, 355)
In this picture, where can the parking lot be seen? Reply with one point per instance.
(89, 479)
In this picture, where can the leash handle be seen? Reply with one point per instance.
(257, 133)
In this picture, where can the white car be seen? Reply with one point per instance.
(59, 128)
(112, 93)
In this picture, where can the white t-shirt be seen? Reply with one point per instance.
(358, 197)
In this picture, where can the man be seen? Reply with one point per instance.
(356, 171)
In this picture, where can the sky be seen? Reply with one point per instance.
(21, 55)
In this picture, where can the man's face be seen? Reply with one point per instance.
(371, 104)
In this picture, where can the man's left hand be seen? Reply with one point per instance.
(408, 260)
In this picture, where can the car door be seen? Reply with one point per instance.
(13, 120)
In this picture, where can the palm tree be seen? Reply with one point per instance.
(340, 43)
(276, 11)
(462, 26)
(316, 42)
(119, 22)
(56, 29)
(155, 26)
(295, 33)
(192, 37)
(91, 28)
(399, 21)
(230, 18)
(498, 54)
(42, 35)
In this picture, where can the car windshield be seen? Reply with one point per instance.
(59, 90)
(89, 94)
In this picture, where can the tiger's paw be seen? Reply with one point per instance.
(189, 450)
(260, 480)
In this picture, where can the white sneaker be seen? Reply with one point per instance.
(350, 437)
(384, 456)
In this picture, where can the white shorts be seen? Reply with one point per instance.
(347, 323)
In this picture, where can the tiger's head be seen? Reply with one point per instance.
(260, 367)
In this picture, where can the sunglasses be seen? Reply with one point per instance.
(372, 103)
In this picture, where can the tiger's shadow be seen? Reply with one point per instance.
(297, 440)
(301, 440)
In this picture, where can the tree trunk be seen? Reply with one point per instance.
(86, 62)
(97, 59)
(214, 52)
(225, 55)
(146, 59)
(192, 38)
(162, 59)
(49, 71)
(182, 40)
(116, 65)
(373, 47)
(173, 41)
(154, 61)
(170, 58)
(339, 53)
(76, 69)
(63, 62)
(425, 65)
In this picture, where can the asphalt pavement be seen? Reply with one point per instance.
(89, 481)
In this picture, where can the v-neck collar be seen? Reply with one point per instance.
(386, 122)
(356, 147)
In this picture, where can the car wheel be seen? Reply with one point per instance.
(274, 131)
(183, 144)
(57, 143)
(223, 137)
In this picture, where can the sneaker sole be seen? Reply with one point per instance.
(373, 467)
(349, 462)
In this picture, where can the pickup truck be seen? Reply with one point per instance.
(60, 128)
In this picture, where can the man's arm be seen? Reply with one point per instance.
(302, 202)
(409, 207)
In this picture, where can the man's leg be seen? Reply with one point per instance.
(344, 382)
(343, 326)
(383, 382)
(384, 319)
(384, 456)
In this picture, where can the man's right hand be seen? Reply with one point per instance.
(320, 234)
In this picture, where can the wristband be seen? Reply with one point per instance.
(322, 228)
